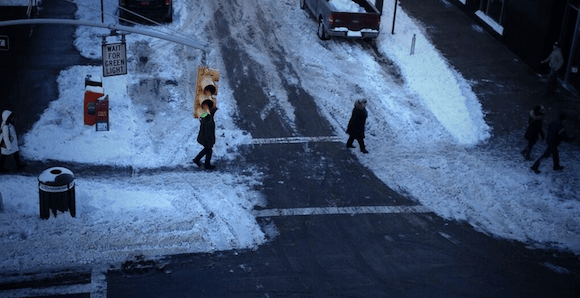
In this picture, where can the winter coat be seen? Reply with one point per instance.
(535, 123)
(557, 134)
(8, 135)
(206, 136)
(556, 59)
(356, 124)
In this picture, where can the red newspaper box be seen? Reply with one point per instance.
(92, 94)
(93, 91)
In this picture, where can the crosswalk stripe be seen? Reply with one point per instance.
(296, 140)
(340, 210)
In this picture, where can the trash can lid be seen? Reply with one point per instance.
(56, 176)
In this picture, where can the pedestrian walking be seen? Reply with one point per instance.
(206, 136)
(9, 141)
(356, 125)
(534, 130)
(556, 134)
(555, 61)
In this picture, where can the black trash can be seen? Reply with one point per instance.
(56, 190)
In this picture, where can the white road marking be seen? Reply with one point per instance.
(340, 210)
(296, 140)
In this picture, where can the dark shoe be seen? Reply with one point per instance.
(526, 154)
(349, 146)
(536, 170)
(197, 162)
(558, 168)
(364, 151)
(209, 167)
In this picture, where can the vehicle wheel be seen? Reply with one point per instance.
(302, 4)
(170, 17)
(321, 31)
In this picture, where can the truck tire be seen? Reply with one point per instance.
(322, 31)
(302, 4)
(169, 18)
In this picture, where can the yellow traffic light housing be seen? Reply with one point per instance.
(206, 88)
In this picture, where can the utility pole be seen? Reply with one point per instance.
(394, 16)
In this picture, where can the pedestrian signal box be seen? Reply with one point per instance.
(206, 88)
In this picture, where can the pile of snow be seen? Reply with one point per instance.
(133, 211)
(345, 6)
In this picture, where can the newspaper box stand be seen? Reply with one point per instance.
(92, 94)
(102, 109)
(56, 191)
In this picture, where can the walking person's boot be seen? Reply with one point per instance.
(526, 153)
(208, 165)
(536, 167)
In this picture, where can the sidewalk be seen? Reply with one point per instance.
(506, 87)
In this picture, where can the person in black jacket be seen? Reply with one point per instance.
(356, 125)
(556, 134)
(535, 123)
(206, 136)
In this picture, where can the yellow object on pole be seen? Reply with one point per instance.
(206, 88)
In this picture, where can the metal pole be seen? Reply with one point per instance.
(394, 16)
(187, 42)
(573, 48)
(102, 13)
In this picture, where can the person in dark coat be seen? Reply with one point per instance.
(556, 134)
(534, 130)
(356, 125)
(206, 136)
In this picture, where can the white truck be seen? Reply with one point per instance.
(345, 18)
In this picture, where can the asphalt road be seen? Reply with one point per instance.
(32, 83)
(403, 252)
(399, 251)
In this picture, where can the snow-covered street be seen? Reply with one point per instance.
(426, 135)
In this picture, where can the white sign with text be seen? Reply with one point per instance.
(114, 59)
